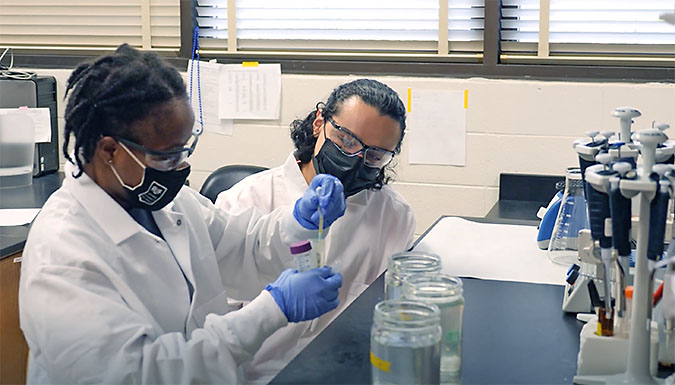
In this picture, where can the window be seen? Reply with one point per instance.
(90, 24)
(609, 30)
(348, 26)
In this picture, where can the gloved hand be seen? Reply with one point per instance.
(331, 200)
(307, 295)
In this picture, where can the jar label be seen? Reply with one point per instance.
(379, 363)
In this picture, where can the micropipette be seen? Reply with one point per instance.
(319, 241)
(319, 249)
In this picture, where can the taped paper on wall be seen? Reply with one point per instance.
(209, 74)
(250, 92)
(437, 125)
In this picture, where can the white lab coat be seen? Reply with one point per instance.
(376, 224)
(102, 300)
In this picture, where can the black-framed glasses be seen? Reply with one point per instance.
(350, 145)
(163, 160)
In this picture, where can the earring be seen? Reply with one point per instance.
(109, 161)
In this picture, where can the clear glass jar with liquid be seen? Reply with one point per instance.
(408, 263)
(405, 342)
(572, 217)
(445, 292)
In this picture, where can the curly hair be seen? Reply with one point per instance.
(112, 92)
(378, 95)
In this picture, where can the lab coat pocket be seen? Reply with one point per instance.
(216, 305)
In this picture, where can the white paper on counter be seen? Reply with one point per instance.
(491, 251)
(42, 121)
(17, 217)
(250, 92)
(209, 76)
(437, 124)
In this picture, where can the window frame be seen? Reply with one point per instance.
(490, 64)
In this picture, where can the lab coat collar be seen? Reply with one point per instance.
(294, 180)
(296, 183)
(110, 216)
(361, 198)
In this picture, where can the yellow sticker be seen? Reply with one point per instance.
(379, 363)
(409, 98)
(249, 64)
(599, 331)
(466, 99)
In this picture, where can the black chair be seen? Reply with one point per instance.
(225, 177)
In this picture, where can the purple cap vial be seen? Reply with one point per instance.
(300, 247)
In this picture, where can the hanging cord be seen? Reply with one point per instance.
(195, 48)
(7, 72)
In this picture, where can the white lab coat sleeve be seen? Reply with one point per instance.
(85, 332)
(246, 193)
(252, 249)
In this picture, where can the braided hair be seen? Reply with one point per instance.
(112, 92)
(377, 95)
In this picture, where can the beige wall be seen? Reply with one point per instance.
(515, 126)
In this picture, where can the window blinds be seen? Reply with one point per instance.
(348, 25)
(610, 27)
(85, 24)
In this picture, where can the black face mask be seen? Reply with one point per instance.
(350, 170)
(157, 188)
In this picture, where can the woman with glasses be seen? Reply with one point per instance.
(354, 136)
(126, 272)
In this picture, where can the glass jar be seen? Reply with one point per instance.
(408, 263)
(445, 292)
(405, 343)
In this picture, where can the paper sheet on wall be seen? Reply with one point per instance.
(250, 92)
(17, 217)
(209, 75)
(491, 251)
(437, 124)
(41, 119)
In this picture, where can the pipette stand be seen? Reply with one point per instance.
(576, 299)
(637, 367)
(599, 355)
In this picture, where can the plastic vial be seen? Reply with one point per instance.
(572, 217)
(408, 263)
(304, 258)
(624, 326)
(445, 292)
(405, 343)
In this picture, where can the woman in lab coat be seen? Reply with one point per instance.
(353, 136)
(125, 269)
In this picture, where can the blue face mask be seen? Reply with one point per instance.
(156, 189)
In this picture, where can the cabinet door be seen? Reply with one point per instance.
(13, 348)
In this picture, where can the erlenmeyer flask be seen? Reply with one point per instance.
(572, 217)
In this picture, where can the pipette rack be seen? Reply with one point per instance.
(653, 148)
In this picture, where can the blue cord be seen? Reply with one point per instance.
(195, 48)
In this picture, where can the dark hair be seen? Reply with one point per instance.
(112, 92)
(376, 94)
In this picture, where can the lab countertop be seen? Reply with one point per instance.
(513, 332)
(524, 212)
(13, 238)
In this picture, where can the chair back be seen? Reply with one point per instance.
(225, 177)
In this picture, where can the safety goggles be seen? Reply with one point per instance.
(163, 160)
(350, 145)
